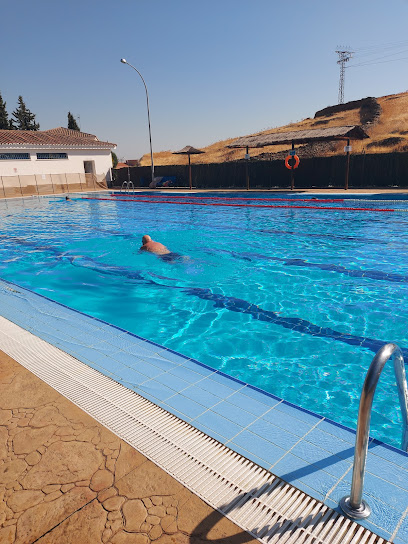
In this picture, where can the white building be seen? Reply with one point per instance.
(52, 161)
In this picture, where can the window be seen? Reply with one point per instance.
(52, 156)
(14, 156)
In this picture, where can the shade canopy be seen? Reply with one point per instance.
(353, 132)
(188, 150)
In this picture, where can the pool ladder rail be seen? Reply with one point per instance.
(353, 505)
(127, 186)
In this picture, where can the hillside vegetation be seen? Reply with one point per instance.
(388, 132)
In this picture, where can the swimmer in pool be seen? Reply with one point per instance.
(158, 249)
(154, 247)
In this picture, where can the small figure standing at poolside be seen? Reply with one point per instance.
(154, 247)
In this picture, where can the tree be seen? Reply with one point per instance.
(4, 121)
(72, 124)
(114, 159)
(24, 119)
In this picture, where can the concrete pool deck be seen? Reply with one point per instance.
(186, 190)
(66, 478)
(275, 190)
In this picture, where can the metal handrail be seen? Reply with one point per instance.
(354, 506)
(126, 186)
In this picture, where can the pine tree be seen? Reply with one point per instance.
(24, 119)
(114, 159)
(4, 121)
(72, 124)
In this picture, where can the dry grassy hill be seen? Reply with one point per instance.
(389, 132)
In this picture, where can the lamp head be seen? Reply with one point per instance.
(124, 61)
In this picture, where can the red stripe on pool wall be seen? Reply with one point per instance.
(243, 205)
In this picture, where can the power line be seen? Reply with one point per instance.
(375, 62)
(397, 50)
(386, 56)
(344, 56)
(388, 45)
(392, 49)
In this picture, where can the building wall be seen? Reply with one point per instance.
(74, 164)
(46, 176)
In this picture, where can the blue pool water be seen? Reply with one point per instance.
(295, 301)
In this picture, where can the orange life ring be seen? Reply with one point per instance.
(297, 161)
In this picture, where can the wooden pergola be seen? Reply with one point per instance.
(346, 133)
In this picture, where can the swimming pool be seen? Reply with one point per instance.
(293, 300)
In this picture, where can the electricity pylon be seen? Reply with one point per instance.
(344, 56)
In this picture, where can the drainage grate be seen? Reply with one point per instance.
(254, 499)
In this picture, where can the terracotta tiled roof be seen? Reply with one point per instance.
(54, 137)
(69, 132)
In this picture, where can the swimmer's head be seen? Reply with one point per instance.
(146, 239)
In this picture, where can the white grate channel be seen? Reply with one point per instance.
(254, 499)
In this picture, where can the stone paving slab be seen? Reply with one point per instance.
(65, 478)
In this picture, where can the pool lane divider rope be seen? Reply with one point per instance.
(134, 196)
(167, 195)
(321, 208)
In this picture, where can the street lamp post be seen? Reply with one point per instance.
(124, 61)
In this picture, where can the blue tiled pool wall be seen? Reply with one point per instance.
(307, 450)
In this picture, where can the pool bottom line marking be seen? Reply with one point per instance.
(247, 256)
(233, 304)
(350, 272)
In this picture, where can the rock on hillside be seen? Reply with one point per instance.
(385, 119)
(369, 109)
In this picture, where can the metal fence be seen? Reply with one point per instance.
(46, 184)
(384, 170)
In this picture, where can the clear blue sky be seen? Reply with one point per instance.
(214, 69)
